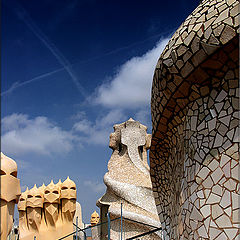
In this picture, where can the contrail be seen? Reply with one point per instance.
(23, 15)
(17, 84)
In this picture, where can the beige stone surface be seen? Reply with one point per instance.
(128, 180)
(96, 230)
(9, 194)
(48, 212)
(22, 205)
(94, 218)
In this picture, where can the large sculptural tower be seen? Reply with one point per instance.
(128, 181)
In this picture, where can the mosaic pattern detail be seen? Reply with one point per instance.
(194, 155)
(128, 182)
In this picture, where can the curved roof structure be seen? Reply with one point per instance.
(196, 73)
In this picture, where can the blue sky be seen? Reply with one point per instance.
(70, 71)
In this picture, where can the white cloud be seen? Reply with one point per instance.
(95, 186)
(23, 135)
(131, 85)
(83, 126)
(98, 132)
(111, 118)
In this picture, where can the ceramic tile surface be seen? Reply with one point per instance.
(194, 156)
